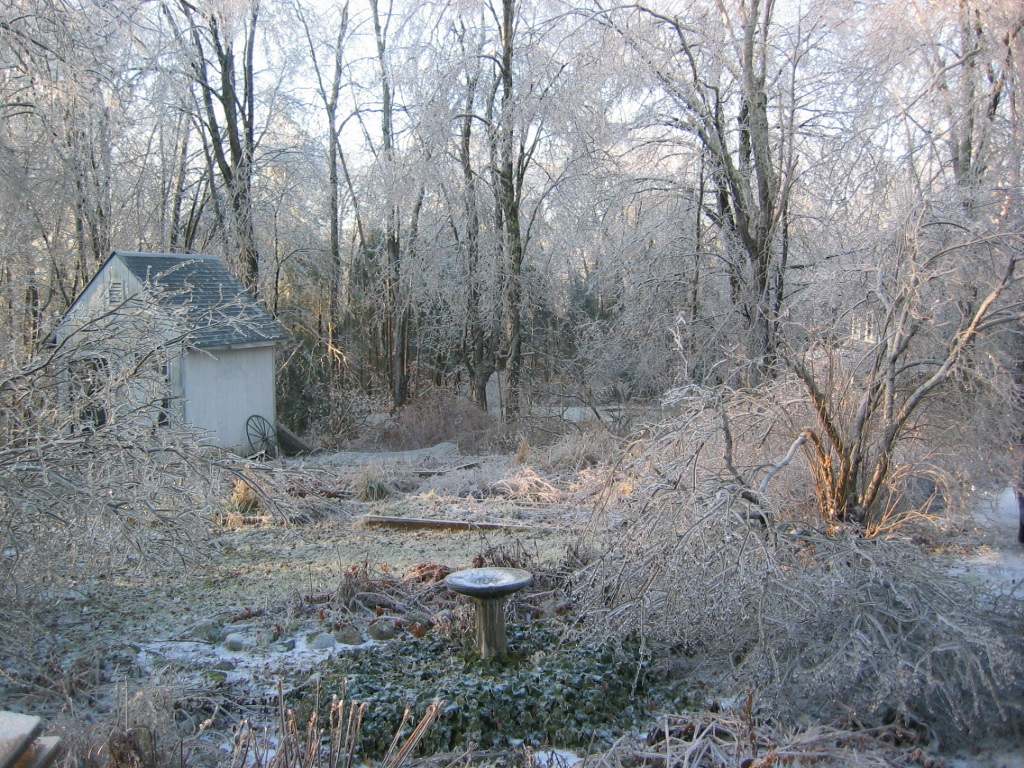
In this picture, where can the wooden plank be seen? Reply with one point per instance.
(291, 444)
(17, 732)
(420, 523)
(42, 752)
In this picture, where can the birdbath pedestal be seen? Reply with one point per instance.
(489, 587)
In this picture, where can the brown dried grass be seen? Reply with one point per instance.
(527, 486)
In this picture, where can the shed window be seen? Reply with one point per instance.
(115, 293)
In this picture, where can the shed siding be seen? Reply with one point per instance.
(233, 384)
(93, 300)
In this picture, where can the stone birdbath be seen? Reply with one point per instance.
(489, 587)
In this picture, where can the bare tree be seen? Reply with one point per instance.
(329, 75)
(397, 312)
(480, 342)
(928, 311)
(725, 85)
(227, 99)
(93, 459)
(510, 80)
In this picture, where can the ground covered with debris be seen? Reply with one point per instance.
(323, 578)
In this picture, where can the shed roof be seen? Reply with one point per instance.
(221, 311)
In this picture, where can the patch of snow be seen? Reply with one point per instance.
(257, 667)
(437, 454)
(555, 758)
(999, 561)
(550, 758)
(998, 565)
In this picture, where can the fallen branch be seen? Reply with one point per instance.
(419, 523)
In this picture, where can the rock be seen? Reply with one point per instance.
(224, 665)
(348, 636)
(264, 638)
(207, 632)
(236, 641)
(382, 629)
(236, 629)
(322, 642)
(286, 645)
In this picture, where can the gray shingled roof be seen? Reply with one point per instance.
(221, 311)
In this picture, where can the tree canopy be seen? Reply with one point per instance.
(576, 199)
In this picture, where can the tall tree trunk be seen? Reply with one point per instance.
(329, 88)
(478, 349)
(396, 324)
(509, 191)
(752, 174)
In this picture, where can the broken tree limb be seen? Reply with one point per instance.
(785, 461)
(421, 523)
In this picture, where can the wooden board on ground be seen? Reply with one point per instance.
(40, 753)
(17, 732)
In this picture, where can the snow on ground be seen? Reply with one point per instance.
(999, 561)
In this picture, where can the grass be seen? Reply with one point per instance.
(371, 485)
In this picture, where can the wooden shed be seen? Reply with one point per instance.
(222, 371)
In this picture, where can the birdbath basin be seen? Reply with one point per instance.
(489, 587)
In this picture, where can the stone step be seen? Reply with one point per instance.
(17, 732)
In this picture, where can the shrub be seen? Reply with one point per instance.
(819, 623)
(438, 417)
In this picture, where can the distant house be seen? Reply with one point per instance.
(219, 342)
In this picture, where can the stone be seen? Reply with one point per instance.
(322, 642)
(224, 665)
(236, 629)
(207, 632)
(286, 645)
(348, 636)
(264, 638)
(236, 641)
(382, 629)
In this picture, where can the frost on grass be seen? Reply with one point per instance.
(820, 624)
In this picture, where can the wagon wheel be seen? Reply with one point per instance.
(262, 436)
